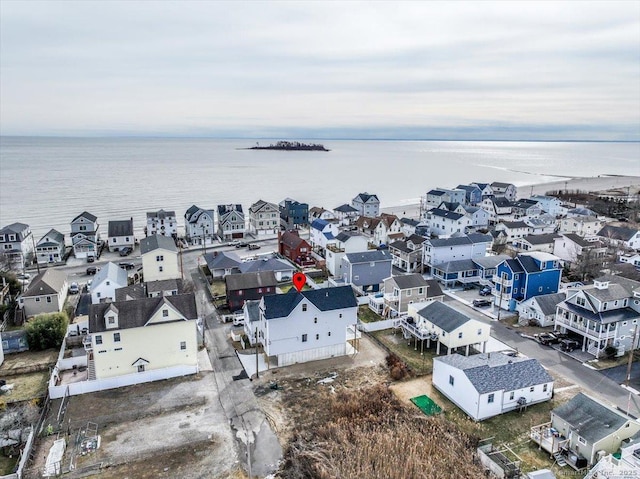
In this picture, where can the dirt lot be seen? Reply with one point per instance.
(172, 428)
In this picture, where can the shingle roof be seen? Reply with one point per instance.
(433, 289)
(325, 299)
(163, 285)
(222, 260)
(345, 209)
(55, 238)
(580, 241)
(292, 240)
(498, 372)
(549, 302)
(435, 192)
(121, 228)
(154, 242)
(443, 316)
(225, 209)
(161, 214)
(409, 221)
(450, 215)
(86, 215)
(368, 256)
(258, 205)
(501, 202)
(364, 197)
(491, 261)
(345, 236)
(407, 281)
(617, 232)
(498, 184)
(252, 308)
(261, 279)
(472, 238)
(319, 224)
(592, 420)
(50, 281)
(16, 228)
(457, 266)
(112, 272)
(128, 293)
(270, 264)
(515, 224)
(136, 313)
(540, 239)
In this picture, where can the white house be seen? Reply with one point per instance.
(50, 248)
(198, 225)
(16, 244)
(264, 218)
(506, 190)
(346, 214)
(407, 254)
(46, 293)
(322, 233)
(319, 213)
(162, 223)
(541, 309)
(109, 278)
(231, 224)
(147, 334)
(344, 242)
(544, 243)
(366, 204)
(307, 326)
(485, 385)
(438, 251)
(550, 204)
(445, 223)
(387, 229)
(514, 229)
(159, 258)
(581, 225)
(85, 237)
(438, 195)
(571, 248)
(400, 292)
(120, 235)
(620, 236)
(630, 258)
(499, 209)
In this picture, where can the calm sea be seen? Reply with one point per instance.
(45, 182)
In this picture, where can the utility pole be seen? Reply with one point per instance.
(181, 262)
(204, 242)
(500, 298)
(629, 364)
(256, 335)
(33, 241)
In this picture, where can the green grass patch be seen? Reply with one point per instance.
(405, 349)
(366, 315)
(26, 387)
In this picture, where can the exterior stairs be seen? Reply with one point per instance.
(91, 367)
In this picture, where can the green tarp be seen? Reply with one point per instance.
(426, 405)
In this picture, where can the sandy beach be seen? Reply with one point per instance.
(596, 183)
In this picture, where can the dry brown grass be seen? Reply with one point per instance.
(369, 433)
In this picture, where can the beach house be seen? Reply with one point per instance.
(85, 235)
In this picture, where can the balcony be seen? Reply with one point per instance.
(582, 327)
(334, 249)
(548, 438)
(504, 282)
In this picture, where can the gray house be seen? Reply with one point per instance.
(366, 204)
(50, 248)
(366, 271)
(85, 237)
(16, 244)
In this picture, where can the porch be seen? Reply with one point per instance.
(548, 438)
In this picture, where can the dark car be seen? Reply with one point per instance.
(242, 245)
(126, 251)
(485, 291)
(569, 345)
(92, 270)
(90, 259)
(482, 303)
(254, 246)
(547, 338)
(125, 265)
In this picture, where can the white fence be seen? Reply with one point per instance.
(84, 387)
(377, 326)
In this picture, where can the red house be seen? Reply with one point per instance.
(291, 246)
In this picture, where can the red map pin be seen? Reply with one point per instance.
(299, 280)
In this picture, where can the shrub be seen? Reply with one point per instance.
(47, 330)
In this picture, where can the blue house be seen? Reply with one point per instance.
(472, 194)
(366, 271)
(526, 276)
(293, 213)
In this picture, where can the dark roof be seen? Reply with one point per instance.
(498, 372)
(364, 197)
(617, 232)
(292, 240)
(540, 239)
(457, 266)
(607, 317)
(409, 221)
(407, 281)
(592, 420)
(497, 184)
(467, 187)
(270, 264)
(16, 228)
(433, 288)
(529, 264)
(121, 228)
(579, 240)
(55, 238)
(344, 236)
(252, 308)
(128, 293)
(155, 242)
(258, 205)
(501, 202)
(325, 299)
(136, 313)
(460, 240)
(319, 224)
(446, 214)
(515, 224)
(448, 205)
(515, 265)
(345, 209)
(224, 209)
(50, 281)
(161, 214)
(261, 279)
(443, 316)
(222, 260)
(549, 302)
(435, 192)
(368, 256)
(86, 215)
(163, 285)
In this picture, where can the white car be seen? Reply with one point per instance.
(89, 285)
(74, 288)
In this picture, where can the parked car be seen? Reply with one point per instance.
(242, 245)
(89, 286)
(126, 265)
(235, 243)
(254, 246)
(90, 259)
(485, 291)
(74, 288)
(126, 251)
(92, 270)
(547, 338)
(482, 303)
(569, 344)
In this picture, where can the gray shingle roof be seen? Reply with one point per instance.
(433, 289)
(368, 256)
(498, 372)
(163, 285)
(120, 228)
(345, 209)
(128, 293)
(112, 272)
(161, 214)
(154, 242)
(443, 316)
(136, 313)
(407, 281)
(261, 279)
(445, 214)
(86, 215)
(540, 239)
(15, 228)
(364, 197)
(457, 266)
(515, 224)
(222, 260)
(490, 261)
(52, 238)
(50, 281)
(617, 233)
(325, 299)
(472, 238)
(270, 264)
(592, 420)
(252, 308)
(548, 302)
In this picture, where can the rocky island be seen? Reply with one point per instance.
(291, 146)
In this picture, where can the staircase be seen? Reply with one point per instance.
(559, 459)
(91, 367)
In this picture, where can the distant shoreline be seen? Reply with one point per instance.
(590, 183)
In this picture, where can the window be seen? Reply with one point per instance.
(160, 258)
(317, 337)
(581, 440)
(490, 398)
(329, 333)
(98, 294)
(532, 388)
(420, 290)
(99, 339)
(315, 320)
(37, 300)
(116, 337)
(141, 368)
(114, 240)
(479, 331)
(451, 380)
(183, 345)
(48, 299)
(460, 335)
(165, 313)
(545, 388)
(580, 301)
(539, 289)
(111, 320)
(340, 315)
(304, 338)
(160, 269)
(512, 395)
(108, 283)
(304, 306)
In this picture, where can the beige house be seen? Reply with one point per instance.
(401, 291)
(159, 258)
(264, 218)
(46, 293)
(142, 335)
(441, 324)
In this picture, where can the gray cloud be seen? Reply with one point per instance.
(220, 68)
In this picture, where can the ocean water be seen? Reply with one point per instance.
(46, 182)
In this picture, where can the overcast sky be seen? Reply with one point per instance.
(496, 70)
